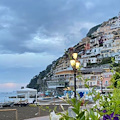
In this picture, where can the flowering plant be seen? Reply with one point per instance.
(107, 107)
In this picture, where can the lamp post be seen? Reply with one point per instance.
(101, 78)
(75, 65)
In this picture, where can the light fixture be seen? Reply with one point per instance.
(75, 55)
(101, 78)
(77, 64)
(72, 62)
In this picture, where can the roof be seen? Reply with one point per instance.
(26, 90)
(91, 70)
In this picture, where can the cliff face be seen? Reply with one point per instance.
(37, 82)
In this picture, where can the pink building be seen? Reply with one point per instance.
(106, 78)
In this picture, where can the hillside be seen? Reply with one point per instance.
(93, 29)
(39, 78)
(49, 71)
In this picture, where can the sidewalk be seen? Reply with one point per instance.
(47, 117)
(39, 118)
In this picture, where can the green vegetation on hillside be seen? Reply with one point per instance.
(34, 81)
(104, 61)
(116, 76)
(93, 29)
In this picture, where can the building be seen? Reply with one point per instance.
(106, 79)
(108, 48)
(92, 75)
(117, 58)
(116, 23)
(62, 72)
(90, 56)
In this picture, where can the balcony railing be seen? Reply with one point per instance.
(55, 86)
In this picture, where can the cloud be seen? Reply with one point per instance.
(55, 43)
(29, 60)
(45, 26)
(28, 30)
(6, 87)
(43, 41)
(77, 31)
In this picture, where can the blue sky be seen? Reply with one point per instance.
(33, 33)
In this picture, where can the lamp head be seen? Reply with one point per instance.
(101, 77)
(72, 62)
(77, 64)
(75, 55)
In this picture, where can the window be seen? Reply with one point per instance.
(106, 82)
(88, 77)
(90, 83)
(105, 45)
(106, 76)
(109, 45)
(106, 55)
(93, 83)
(118, 50)
(112, 51)
(93, 77)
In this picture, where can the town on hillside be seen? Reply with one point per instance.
(94, 53)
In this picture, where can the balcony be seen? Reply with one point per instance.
(92, 54)
(61, 78)
(93, 78)
(105, 85)
(55, 84)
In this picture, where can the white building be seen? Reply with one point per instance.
(107, 50)
(116, 23)
(108, 36)
(94, 42)
(117, 59)
(90, 56)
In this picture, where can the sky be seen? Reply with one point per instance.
(33, 33)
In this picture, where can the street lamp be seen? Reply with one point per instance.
(75, 65)
(101, 78)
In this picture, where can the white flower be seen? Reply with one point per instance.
(53, 116)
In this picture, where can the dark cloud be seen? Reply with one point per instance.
(22, 20)
(29, 15)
